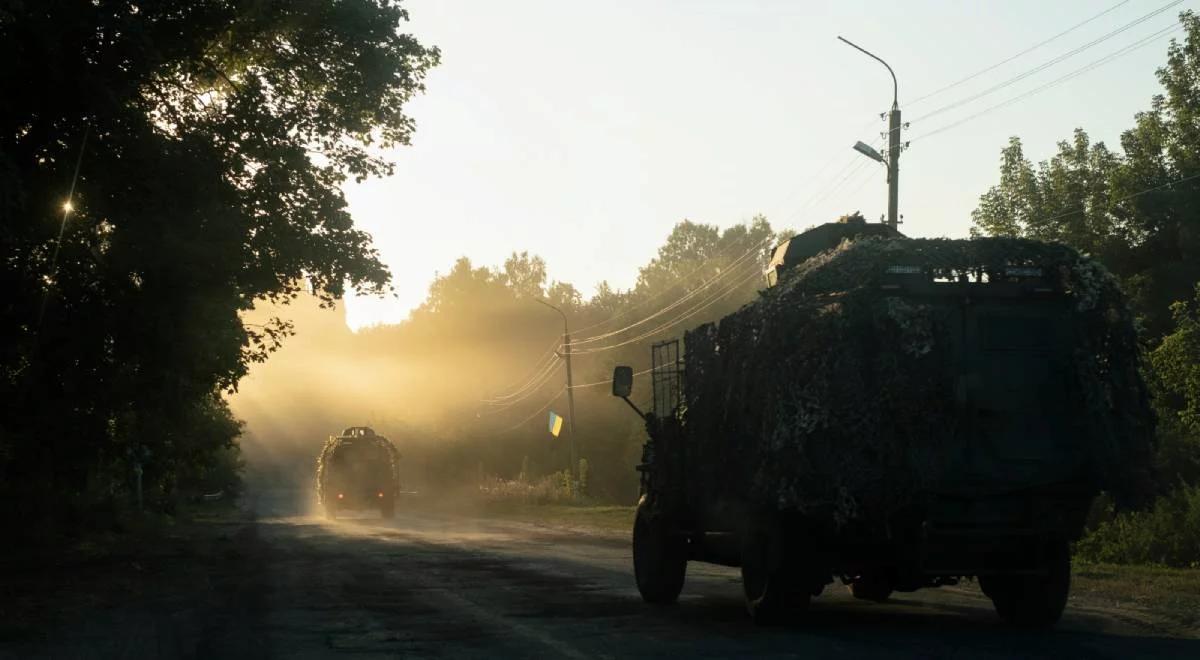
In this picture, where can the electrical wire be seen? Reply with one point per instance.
(681, 278)
(676, 321)
(1013, 57)
(550, 350)
(820, 171)
(691, 294)
(1128, 197)
(538, 371)
(1049, 63)
(871, 173)
(606, 381)
(535, 413)
(499, 408)
(543, 374)
(1145, 41)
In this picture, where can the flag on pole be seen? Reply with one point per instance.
(555, 424)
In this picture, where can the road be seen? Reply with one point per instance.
(442, 585)
(438, 585)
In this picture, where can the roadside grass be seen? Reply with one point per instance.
(1170, 592)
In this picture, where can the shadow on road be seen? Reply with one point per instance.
(573, 591)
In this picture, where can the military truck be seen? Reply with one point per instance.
(895, 414)
(358, 470)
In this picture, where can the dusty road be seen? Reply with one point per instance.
(435, 585)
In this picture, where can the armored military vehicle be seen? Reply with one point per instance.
(895, 414)
(358, 470)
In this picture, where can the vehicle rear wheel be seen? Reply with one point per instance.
(659, 557)
(771, 580)
(875, 587)
(1033, 601)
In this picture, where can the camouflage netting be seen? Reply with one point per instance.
(831, 396)
(335, 441)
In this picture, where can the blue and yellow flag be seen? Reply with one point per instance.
(555, 424)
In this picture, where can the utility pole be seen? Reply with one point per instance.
(566, 354)
(894, 143)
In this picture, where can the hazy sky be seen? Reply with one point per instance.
(583, 131)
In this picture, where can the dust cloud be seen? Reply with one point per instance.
(422, 386)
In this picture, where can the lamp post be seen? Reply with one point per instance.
(566, 354)
(893, 161)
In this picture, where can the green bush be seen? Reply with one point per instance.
(1166, 534)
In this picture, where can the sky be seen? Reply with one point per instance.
(584, 131)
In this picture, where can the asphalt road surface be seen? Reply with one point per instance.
(437, 585)
(442, 585)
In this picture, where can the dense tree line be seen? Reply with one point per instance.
(1138, 210)
(163, 166)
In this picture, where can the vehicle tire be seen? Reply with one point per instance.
(1033, 601)
(876, 587)
(659, 557)
(387, 508)
(771, 579)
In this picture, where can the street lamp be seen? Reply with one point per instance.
(868, 151)
(893, 161)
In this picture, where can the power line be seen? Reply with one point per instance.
(681, 278)
(871, 172)
(855, 167)
(686, 314)
(691, 294)
(535, 413)
(1013, 57)
(538, 372)
(499, 408)
(854, 170)
(859, 164)
(833, 157)
(606, 381)
(676, 321)
(1145, 41)
(554, 346)
(822, 193)
(843, 175)
(1048, 63)
(1128, 197)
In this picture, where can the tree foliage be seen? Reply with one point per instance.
(211, 139)
(1135, 210)
(1138, 210)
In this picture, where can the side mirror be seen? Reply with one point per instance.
(622, 383)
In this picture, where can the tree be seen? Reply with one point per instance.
(696, 253)
(1177, 363)
(213, 136)
(525, 275)
(687, 251)
(1137, 211)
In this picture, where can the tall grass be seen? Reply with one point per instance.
(1168, 534)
